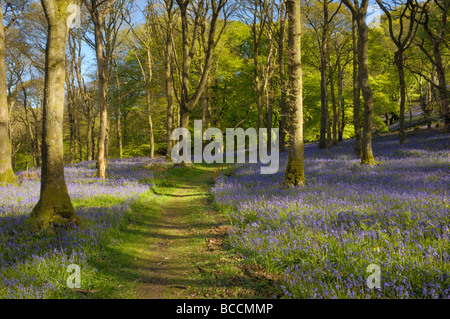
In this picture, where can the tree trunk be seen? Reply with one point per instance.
(269, 113)
(93, 139)
(89, 156)
(6, 172)
(206, 107)
(189, 40)
(54, 206)
(119, 126)
(150, 122)
(436, 36)
(283, 105)
(324, 117)
(340, 109)
(324, 136)
(333, 104)
(80, 145)
(442, 89)
(295, 175)
(32, 131)
(401, 76)
(148, 92)
(97, 17)
(356, 91)
(363, 40)
(119, 114)
(70, 109)
(169, 93)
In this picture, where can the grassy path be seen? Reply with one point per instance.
(166, 262)
(174, 245)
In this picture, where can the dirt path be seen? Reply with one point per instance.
(164, 263)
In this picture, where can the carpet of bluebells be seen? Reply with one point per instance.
(322, 238)
(34, 264)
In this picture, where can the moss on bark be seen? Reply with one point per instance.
(295, 175)
(368, 159)
(54, 208)
(8, 177)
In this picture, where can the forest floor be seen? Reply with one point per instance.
(155, 230)
(177, 246)
(164, 260)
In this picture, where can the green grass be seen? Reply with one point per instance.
(214, 270)
(180, 210)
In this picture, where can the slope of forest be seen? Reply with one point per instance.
(32, 262)
(319, 240)
(323, 237)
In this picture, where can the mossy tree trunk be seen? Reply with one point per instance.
(295, 175)
(356, 92)
(6, 172)
(359, 11)
(366, 149)
(54, 206)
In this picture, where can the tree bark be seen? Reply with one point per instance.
(283, 105)
(97, 15)
(295, 175)
(401, 75)
(333, 104)
(325, 131)
(6, 172)
(206, 107)
(89, 156)
(169, 88)
(54, 206)
(148, 94)
(340, 109)
(356, 91)
(119, 115)
(363, 40)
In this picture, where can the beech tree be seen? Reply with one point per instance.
(107, 18)
(320, 21)
(54, 205)
(281, 32)
(145, 40)
(356, 90)
(402, 37)
(168, 78)
(200, 10)
(6, 172)
(433, 20)
(359, 11)
(295, 175)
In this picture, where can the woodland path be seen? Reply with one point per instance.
(165, 264)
